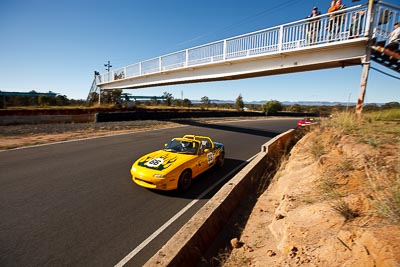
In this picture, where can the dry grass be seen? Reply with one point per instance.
(226, 259)
(346, 174)
(378, 161)
(344, 209)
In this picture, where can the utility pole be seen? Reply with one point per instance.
(108, 66)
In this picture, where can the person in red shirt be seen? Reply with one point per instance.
(333, 7)
(335, 21)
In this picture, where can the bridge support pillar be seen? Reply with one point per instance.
(99, 97)
(363, 88)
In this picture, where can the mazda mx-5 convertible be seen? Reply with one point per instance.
(181, 160)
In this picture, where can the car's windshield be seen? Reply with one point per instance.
(182, 146)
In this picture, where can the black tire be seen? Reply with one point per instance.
(185, 180)
(220, 161)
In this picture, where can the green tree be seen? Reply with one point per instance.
(239, 104)
(44, 100)
(187, 103)
(391, 105)
(62, 100)
(116, 95)
(296, 108)
(93, 98)
(106, 97)
(272, 106)
(177, 102)
(370, 107)
(205, 101)
(155, 101)
(168, 98)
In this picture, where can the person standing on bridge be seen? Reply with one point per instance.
(335, 21)
(394, 38)
(356, 25)
(313, 26)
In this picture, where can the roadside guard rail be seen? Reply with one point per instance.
(340, 26)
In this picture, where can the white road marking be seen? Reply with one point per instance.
(175, 217)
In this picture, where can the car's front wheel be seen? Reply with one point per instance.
(185, 180)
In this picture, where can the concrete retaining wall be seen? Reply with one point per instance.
(187, 246)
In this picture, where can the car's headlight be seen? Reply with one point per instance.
(133, 169)
(159, 175)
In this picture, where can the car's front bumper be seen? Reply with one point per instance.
(154, 183)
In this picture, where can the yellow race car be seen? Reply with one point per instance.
(181, 160)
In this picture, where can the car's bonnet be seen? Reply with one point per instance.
(162, 160)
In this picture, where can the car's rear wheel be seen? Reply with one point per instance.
(185, 180)
(220, 160)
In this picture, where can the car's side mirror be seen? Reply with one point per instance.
(206, 150)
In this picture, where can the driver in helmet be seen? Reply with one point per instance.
(185, 145)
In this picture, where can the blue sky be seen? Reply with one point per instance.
(57, 45)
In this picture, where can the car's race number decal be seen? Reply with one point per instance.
(154, 163)
(210, 158)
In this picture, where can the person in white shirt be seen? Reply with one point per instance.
(394, 38)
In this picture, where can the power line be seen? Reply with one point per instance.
(229, 27)
(243, 21)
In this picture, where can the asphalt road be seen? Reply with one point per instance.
(74, 204)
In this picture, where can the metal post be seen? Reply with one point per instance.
(366, 62)
(363, 87)
(99, 96)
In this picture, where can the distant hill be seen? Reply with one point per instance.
(288, 103)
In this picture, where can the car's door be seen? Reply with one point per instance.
(206, 158)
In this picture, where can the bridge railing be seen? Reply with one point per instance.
(340, 26)
(386, 15)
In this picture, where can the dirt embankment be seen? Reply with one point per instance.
(334, 202)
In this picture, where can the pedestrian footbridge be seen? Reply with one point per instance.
(339, 39)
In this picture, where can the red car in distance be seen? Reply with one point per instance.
(306, 121)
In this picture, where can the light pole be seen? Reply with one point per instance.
(108, 66)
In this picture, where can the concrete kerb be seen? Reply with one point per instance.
(187, 246)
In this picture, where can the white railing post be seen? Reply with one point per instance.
(159, 64)
(187, 57)
(140, 68)
(280, 40)
(224, 51)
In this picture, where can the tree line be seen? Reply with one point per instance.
(118, 99)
